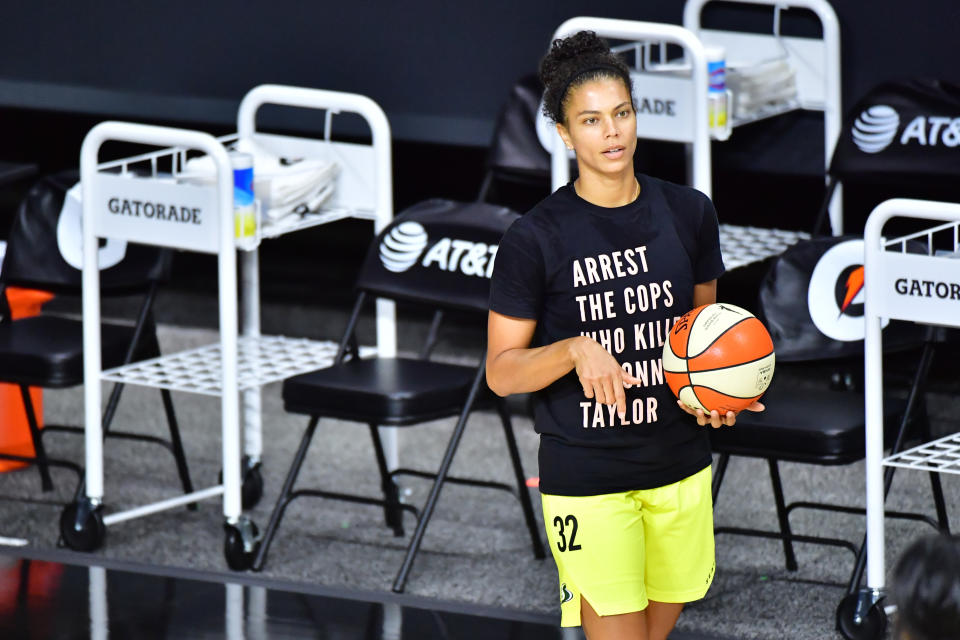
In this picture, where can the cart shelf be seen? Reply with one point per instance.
(741, 246)
(941, 455)
(260, 360)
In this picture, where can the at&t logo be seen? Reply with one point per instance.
(403, 246)
(875, 128)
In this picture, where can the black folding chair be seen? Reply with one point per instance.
(820, 424)
(437, 254)
(47, 350)
(515, 156)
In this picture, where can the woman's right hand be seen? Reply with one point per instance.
(600, 374)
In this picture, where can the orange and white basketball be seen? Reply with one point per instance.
(718, 356)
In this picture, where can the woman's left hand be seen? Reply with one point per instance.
(715, 420)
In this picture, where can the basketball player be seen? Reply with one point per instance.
(585, 289)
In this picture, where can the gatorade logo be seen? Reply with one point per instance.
(403, 246)
(875, 128)
(835, 295)
(565, 594)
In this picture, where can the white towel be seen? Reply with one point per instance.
(284, 186)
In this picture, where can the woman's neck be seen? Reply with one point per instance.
(608, 191)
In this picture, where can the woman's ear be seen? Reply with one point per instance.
(565, 135)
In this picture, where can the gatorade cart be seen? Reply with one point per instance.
(242, 360)
(917, 287)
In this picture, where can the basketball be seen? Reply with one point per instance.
(718, 356)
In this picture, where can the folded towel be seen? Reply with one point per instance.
(284, 186)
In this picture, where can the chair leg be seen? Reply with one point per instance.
(39, 451)
(111, 408)
(401, 580)
(936, 488)
(153, 346)
(782, 515)
(522, 492)
(177, 443)
(941, 506)
(285, 495)
(718, 473)
(392, 513)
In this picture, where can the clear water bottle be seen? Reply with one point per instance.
(717, 95)
(246, 227)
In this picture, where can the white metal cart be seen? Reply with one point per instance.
(815, 61)
(918, 288)
(243, 360)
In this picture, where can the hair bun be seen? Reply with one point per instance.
(580, 43)
(564, 50)
(570, 57)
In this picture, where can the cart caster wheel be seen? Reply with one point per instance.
(252, 489)
(91, 533)
(871, 627)
(240, 544)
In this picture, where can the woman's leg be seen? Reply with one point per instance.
(625, 626)
(678, 534)
(661, 618)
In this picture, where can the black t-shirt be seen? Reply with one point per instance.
(621, 275)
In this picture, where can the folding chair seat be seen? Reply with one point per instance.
(43, 252)
(48, 350)
(406, 391)
(805, 420)
(394, 391)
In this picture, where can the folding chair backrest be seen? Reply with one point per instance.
(908, 132)
(44, 246)
(811, 301)
(515, 149)
(439, 253)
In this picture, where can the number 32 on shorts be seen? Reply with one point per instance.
(565, 525)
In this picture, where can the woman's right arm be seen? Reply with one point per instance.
(514, 367)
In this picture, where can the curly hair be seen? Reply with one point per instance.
(926, 588)
(573, 61)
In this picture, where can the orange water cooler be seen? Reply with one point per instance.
(14, 429)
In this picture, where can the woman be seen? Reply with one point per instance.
(585, 290)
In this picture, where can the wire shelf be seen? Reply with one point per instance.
(261, 360)
(941, 455)
(741, 246)
(296, 222)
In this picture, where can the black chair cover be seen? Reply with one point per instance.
(515, 147)
(445, 251)
(908, 131)
(34, 258)
(784, 305)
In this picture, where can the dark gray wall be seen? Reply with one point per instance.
(439, 68)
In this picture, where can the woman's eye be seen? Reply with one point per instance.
(624, 113)
(590, 121)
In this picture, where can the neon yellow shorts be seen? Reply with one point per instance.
(620, 550)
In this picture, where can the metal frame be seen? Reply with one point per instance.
(364, 190)
(885, 262)
(817, 65)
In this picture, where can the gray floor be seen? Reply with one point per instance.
(476, 549)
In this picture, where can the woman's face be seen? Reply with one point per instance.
(601, 127)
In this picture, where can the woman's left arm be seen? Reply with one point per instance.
(704, 293)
